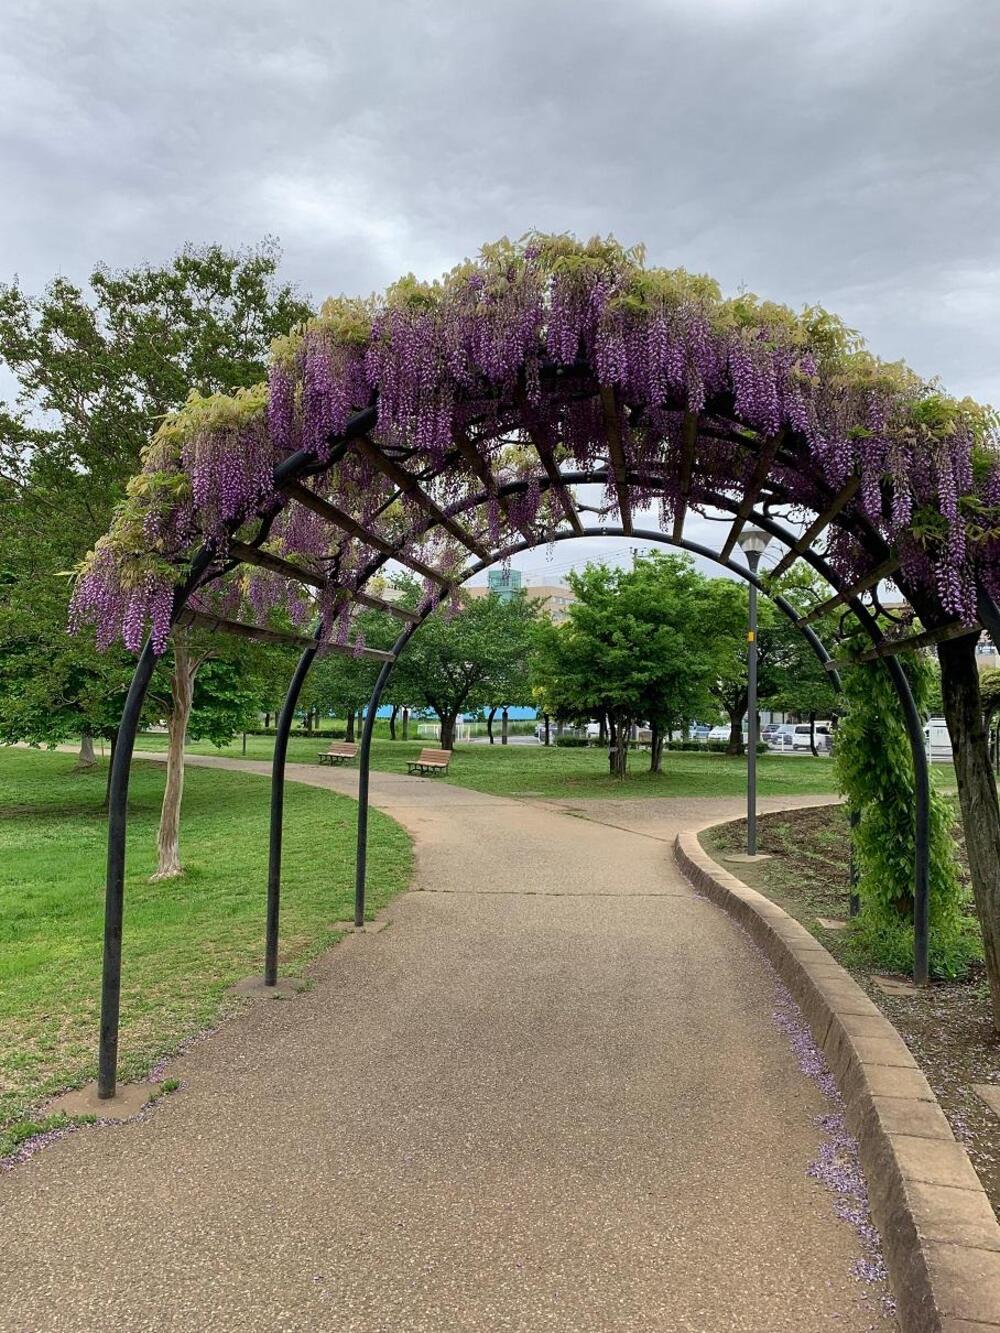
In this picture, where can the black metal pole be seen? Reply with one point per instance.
(114, 897)
(364, 772)
(282, 728)
(753, 559)
(114, 900)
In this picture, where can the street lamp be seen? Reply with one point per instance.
(753, 543)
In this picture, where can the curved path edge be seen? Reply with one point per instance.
(940, 1236)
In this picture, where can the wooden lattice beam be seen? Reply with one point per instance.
(616, 452)
(765, 458)
(353, 528)
(480, 468)
(882, 571)
(689, 439)
(411, 487)
(250, 555)
(546, 452)
(819, 524)
(238, 630)
(913, 642)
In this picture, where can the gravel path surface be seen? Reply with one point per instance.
(550, 1096)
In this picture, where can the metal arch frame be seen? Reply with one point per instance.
(305, 464)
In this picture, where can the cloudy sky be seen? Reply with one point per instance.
(843, 152)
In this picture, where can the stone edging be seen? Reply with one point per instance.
(940, 1237)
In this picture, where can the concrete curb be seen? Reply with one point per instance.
(940, 1237)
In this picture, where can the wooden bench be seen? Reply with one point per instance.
(340, 752)
(430, 761)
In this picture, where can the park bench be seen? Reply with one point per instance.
(430, 761)
(340, 752)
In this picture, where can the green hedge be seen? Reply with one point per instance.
(572, 742)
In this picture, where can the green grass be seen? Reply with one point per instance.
(508, 770)
(185, 940)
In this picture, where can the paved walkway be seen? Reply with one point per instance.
(548, 1097)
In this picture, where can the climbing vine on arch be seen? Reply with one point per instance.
(873, 763)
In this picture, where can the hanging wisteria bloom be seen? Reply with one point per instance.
(536, 359)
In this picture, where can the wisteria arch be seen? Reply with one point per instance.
(450, 422)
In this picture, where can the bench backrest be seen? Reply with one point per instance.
(343, 747)
(434, 756)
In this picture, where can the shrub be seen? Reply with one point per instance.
(874, 768)
(572, 742)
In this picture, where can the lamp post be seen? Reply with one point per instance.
(753, 543)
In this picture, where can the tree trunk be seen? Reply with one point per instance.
(548, 724)
(392, 722)
(489, 723)
(977, 794)
(504, 726)
(168, 842)
(87, 758)
(406, 724)
(656, 748)
(267, 721)
(349, 727)
(812, 735)
(602, 734)
(448, 730)
(735, 745)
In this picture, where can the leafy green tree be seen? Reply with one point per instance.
(632, 647)
(95, 369)
(460, 661)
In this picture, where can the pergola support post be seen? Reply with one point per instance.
(278, 761)
(114, 900)
(364, 773)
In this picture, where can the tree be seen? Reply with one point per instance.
(456, 661)
(977, 794)
(631, 647)
(95, 370)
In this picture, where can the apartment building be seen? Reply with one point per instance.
(553, 598)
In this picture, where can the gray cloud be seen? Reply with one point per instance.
(838, 152)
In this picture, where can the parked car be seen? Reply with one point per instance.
(700, 730)
(722, 733)
(782, 737)
(801, 735)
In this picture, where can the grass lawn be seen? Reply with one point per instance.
(185, 940)
(511, 770)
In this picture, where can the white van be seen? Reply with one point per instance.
(937, 739)
(801, 733)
